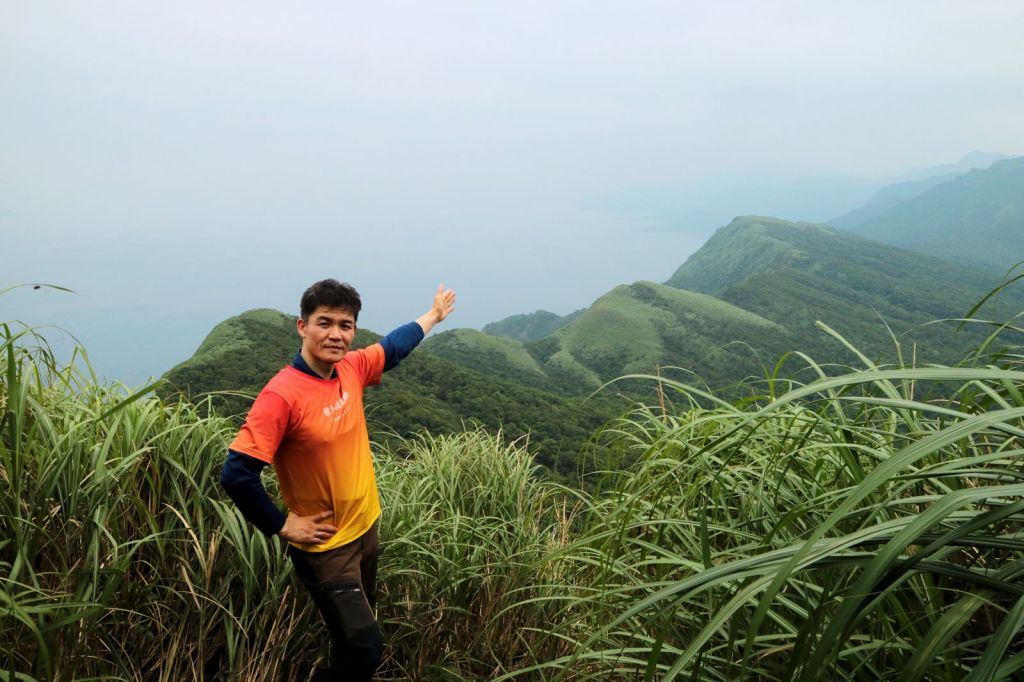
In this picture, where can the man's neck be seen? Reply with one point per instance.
(324, 369)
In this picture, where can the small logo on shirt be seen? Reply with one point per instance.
(339, 405)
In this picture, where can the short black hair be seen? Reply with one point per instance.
(332, 294)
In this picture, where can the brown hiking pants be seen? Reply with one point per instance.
(343, 584)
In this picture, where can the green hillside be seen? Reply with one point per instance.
(239, 355)
(752, 293)
(424, 392)
(530, 327)
(638, 327)
(797, 273)
(489, 354)
(747, 246)
(633, 329)
(976, 219)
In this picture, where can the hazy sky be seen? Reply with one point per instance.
(178, 163)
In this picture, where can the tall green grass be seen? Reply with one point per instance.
(119, 560)
(122, 559)
(865, 525)
(843, 529)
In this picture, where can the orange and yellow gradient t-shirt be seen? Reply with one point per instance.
(313, 432)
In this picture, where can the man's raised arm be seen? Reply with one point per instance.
(400, 342)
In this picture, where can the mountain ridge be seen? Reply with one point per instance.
(634, 329)
(749, 296)
(798, 273)
(425, 392)
(975, 219)
(530, 326)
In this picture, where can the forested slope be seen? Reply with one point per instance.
(424, 393)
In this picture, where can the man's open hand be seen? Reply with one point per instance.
(307, 530)
(444, 303)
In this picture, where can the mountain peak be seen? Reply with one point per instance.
(979, 159)
(530, 327)
(747, 245)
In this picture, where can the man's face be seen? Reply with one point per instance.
(328, 334)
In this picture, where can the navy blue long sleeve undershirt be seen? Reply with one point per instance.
(240, 476)
(400, 342)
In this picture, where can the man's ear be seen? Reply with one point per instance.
(300, 325)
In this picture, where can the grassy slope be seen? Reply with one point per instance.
(636, 328)
(746, 246)
(489, 354)
(633, 329)
(247, 349)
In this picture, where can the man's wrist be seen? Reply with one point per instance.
(428, 320)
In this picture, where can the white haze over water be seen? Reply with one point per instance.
(179, 163)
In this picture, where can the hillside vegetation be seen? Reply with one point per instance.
(797, 274)
(839, 529)
(425, 392)
(754, 292)
(530, 327)
(489, 354)
(634, 328)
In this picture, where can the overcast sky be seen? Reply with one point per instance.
(179, 163)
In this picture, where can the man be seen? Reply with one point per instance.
(308, 422)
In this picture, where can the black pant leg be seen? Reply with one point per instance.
(368, 565)
(357, 644)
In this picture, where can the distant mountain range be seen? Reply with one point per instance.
(753, 292)
(913, 185)
(968, 162)
(886, 198)
(975, 218)
(745, 299)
